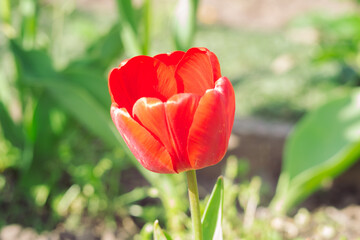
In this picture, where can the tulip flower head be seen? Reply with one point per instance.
(175, 111)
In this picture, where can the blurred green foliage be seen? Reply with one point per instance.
(323, 145)
(340, 42)
(52, 166)
(326, 141)
(61, 156)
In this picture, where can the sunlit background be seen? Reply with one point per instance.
(65, 172)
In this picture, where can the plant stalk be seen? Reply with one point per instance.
(194, 204)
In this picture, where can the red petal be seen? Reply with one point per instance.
(150, 113)
(167, 83)
(141, 76)
(170, 123)
(215, 65)
(224, 86)
(171, 59)
(147, 150)
(117, 89)
(210, 131)
(180, 110)
(195, 72)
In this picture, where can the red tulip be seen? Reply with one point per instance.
(174, 111)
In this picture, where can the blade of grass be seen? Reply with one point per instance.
(147, 24)
(29, 10)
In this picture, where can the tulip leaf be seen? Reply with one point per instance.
(74, 96)
(92, 82)
(322, 145)
(212, 216)
(159, 234)
(146, 232)
(9, 129)
(82, 105)
(130, 36)
(101, 53)
(32, 63)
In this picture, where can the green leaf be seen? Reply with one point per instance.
(128, 13)
(10, 130)
(33, 63)
(85, 102)
(101, 53)
(146, 232)
(323, 145)
(40, 131)
(212, 216)
(29, 11)
(84, 107)
(130, 36)
(184, 23)
(95, 84)
(159, 234)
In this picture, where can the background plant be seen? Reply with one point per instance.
(60, 158)
(60, 100)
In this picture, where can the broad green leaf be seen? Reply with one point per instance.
(40, 131)
(322, 145)
(92, 82)
(81, 100)
(82, 105)
(159, 234)
(10, 130)
(212, 216)
(33, 63)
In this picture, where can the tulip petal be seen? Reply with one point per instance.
(224, 86)
(171, 59)
(169, 123)
(150, 113)
(215, 65)
(147, 150)
(138, 77)
(212, 124)
(180, 110)
(195, 72)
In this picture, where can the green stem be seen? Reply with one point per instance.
(194, 204)
(147, 25)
